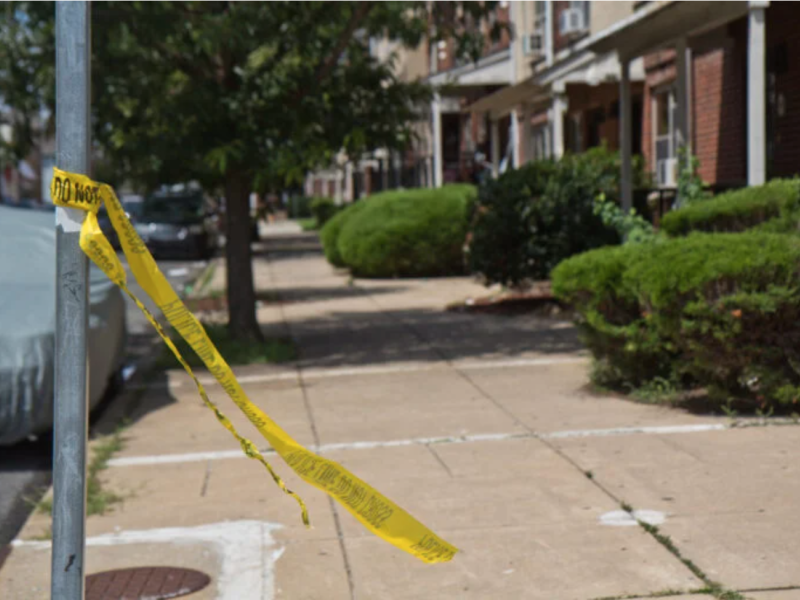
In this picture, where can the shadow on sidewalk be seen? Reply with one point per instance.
(315, 294)
(287, 246)
(142, 395)
(352, 338)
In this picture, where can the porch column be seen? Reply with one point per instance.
(527, 142)
(385, 164)
(625, 134)
(756, 95)
(348, 182)
(557, 121)
(515, 139)
(339, 186)
(683, 110)
(438, 168)
(495, 127)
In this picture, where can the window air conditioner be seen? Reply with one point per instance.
(667, 169)
(532, 43)
(572, 20)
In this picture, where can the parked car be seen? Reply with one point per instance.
(178, 223)
(107, 228)
(27, 325)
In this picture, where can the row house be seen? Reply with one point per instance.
(720, 79)
(562, 97)
(645, 78)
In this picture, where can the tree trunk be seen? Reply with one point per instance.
(242, 323)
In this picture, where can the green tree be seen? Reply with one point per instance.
(241, 96)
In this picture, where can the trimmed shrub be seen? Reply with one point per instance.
(407, 233)
(329, 234)
(323, 209)
(730, 304)
(627, 352)
(720, 311)
(775, 205)
(530, 219)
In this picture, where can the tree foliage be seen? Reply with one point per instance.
(237, 95)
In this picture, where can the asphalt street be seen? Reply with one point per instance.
(25, 469)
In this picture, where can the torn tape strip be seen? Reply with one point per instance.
(375, 511)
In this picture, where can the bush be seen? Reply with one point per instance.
(323, 209)
(730, 304)
(719, 311)
(775, 204)
(627, 352)
(408, 233)
(530, 219)
(329, 234)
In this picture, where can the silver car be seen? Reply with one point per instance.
(27, 325)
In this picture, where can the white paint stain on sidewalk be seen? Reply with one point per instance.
(246, 549)
(623, 518)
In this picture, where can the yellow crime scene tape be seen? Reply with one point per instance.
(375, 511)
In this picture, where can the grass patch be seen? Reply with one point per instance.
(308, 224)
(235, 352)
(99, 500)
(204, 279)
(45, 536)
(658, 390)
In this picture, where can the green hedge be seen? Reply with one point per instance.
(402, 233)
(329, 234)
(627, 352)
(323, 209)
(775, 205)
(409, 233)
(530, 219)
(719, 311)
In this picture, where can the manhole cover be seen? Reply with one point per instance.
(152, 583)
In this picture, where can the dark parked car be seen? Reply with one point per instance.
(107, 228)
(182, 223)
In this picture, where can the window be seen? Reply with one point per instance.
(664, 142)
(574, 133)
(540, 142)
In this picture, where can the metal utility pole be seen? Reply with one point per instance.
(72, 287)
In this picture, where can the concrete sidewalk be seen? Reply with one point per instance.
(481, 426)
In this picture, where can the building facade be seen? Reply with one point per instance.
(646, 78)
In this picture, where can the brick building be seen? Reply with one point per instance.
(720, 79)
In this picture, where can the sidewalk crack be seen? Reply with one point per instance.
(345, 557)
(206, 478)
(439, 458)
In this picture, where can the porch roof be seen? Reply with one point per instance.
(659, 23)
(504, 100)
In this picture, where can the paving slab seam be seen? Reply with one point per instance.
(785, 588)
(315, 433)
(713, 588)
(130, 461)
(361, 371)
(662, 594)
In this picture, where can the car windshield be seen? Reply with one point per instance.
(134, 209)
(172, 209)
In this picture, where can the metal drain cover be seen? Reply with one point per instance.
(152, 583)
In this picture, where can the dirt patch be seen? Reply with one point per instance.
(538, 300)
